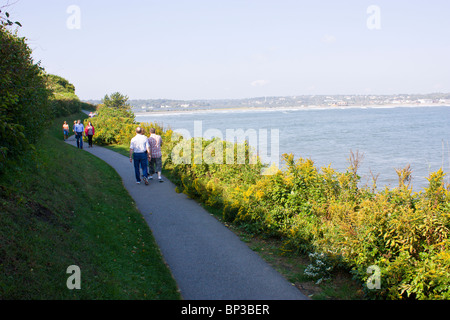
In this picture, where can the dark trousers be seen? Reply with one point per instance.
(79, 137)
(140, 162)
(90, 140)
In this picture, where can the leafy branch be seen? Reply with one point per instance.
(4, 20)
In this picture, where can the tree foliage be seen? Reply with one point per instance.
(117, 101)
(4, 20)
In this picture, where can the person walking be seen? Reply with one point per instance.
(79, 130)
(155, 165)
(89, 132)
(66, 130)
(140, 152)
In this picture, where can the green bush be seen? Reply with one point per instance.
(29, 99)
(64, 101)
(24, 107)
(64, 107)
(118, 126)
(405, 234)
(110, 125)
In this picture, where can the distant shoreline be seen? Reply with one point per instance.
(275, 109)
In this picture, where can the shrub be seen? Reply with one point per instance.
(325, 214)
(63, 100)
(320, 268)
(118, 126)
(113, 125)
(64, 107)
(24, 107)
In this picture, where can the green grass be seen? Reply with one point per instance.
(67, 207)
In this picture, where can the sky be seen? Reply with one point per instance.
(232, 49)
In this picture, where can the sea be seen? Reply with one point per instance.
(386, 138)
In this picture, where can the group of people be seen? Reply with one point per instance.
(146, 153)
(79, 130)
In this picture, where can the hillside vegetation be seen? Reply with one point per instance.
(60, 206)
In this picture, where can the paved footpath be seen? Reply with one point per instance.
(207, 260)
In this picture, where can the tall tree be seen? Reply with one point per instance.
(116, 100)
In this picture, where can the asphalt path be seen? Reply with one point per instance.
(207, 260)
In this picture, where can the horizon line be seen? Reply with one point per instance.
(282, 96)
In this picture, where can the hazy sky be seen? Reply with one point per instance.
(212, 49)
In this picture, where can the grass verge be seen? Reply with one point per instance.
(67, 207)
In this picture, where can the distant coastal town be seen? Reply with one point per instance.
(155, 105)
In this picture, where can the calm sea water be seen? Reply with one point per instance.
(388, 138)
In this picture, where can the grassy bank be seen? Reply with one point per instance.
(66, 207)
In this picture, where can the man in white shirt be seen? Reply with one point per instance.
(79, 129)
(140, 151)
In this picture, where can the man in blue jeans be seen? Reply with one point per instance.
(139, 152)
(79, 129)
